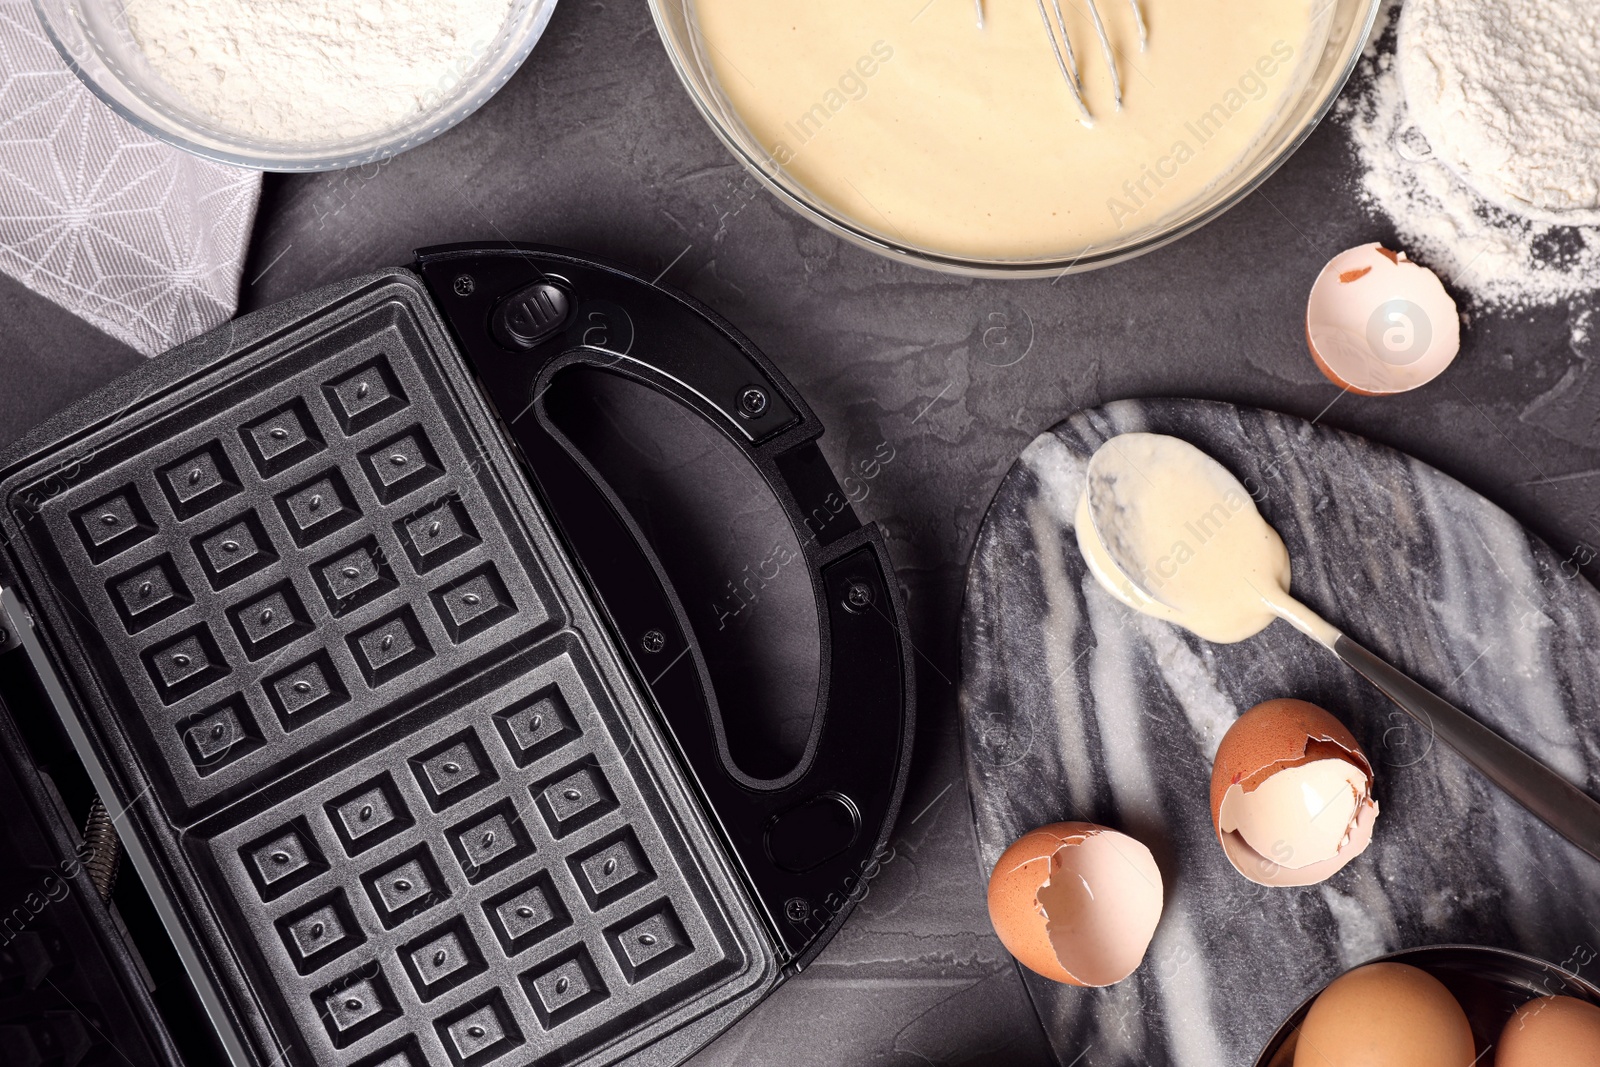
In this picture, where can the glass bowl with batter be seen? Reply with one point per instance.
(905, 127)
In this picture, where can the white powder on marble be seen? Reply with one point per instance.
(1580, 326)
(312, 71)
(1363, 922)
(1494, 255)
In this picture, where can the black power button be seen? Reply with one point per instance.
(531, 315)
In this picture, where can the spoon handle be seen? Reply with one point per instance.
(1569, 810)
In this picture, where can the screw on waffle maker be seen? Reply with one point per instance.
(369, 667)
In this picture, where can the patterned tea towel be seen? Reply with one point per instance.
(140, 238)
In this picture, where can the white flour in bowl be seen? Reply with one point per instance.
(1497, 256)
(1507, 93)
(311, 71)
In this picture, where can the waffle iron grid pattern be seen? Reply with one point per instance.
(478, 889)
(286, 576)
(293, 595)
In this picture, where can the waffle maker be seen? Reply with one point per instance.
(405, 731)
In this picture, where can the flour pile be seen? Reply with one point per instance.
(311, 71)
(1507, 94)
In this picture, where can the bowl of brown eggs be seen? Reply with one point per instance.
(1444, 1006)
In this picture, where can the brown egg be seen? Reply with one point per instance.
(1291, 794)
(1385, 1015)
(1551, 1032)
(1076, 902)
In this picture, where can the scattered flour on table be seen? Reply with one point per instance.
(1545, 142)
(307, 71)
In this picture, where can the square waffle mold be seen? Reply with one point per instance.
(263, 563)
(404, 811)
(476, 901)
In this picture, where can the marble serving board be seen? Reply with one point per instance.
(1074, 707)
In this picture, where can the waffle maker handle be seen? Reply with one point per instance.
(809, 843)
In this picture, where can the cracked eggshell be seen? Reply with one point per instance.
(1076, 902)
(1379, 324)
(1551, 1032)
(1291, 794)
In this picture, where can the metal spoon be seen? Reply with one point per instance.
(1113, 486)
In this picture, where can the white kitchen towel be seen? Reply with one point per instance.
(141, 239)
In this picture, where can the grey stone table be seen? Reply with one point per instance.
(594, 145)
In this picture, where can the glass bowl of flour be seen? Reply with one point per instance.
(295, 85)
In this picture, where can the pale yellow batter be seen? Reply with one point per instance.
(905, 116)
(1212, 563)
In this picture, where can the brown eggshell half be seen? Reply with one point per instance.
(1076, 902)
(1272, 732)
(1377, 323)
(1263, 871)
(1272, 736)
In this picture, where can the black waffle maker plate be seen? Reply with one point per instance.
(405, 730)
